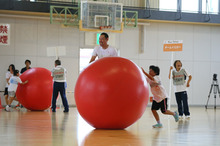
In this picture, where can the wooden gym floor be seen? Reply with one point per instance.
(26, 128)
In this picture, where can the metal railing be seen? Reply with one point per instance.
(130, 3)
(68, 16)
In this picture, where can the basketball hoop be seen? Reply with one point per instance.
(105, 27)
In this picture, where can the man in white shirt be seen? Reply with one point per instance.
(104, 50)
(59, 78)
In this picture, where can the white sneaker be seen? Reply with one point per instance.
(180, 117)
(187, 117)
(7, 108)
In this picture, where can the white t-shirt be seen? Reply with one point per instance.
(181, 88)
(8, 76)
(157, 89)
(59, 74)
(108, 52)
(14, 80)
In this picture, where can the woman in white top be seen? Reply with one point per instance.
(9, 74)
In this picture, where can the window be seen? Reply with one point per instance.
(168, 5)
(85, 56)
(210, 7)
(191, 6)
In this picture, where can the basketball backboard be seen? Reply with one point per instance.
(101, 16)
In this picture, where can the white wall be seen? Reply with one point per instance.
(200, 55)
(30, 39)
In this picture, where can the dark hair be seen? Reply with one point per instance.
(16, 72)
(57, 62)
(27, 61)
(13, 67)
(105, 34)
(174, 64)
(155, 69)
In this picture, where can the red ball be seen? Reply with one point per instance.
(111, 93)
(37, 93)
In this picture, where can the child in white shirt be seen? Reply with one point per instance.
(13, 84)
(159, 95)
(179, 76)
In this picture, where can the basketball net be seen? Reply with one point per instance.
(105, 27)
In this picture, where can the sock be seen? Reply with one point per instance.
(158, 122)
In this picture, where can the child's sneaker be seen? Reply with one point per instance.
(176, 116)
(17, 106)
(158, 125)
(7, 108)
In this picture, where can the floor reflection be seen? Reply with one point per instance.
(59, 124)
(60, 129)
(35, 126)
(183, 126)
(111, 138)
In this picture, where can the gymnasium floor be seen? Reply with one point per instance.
(26, 128)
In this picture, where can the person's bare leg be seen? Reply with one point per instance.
(156, 116)
(168, 112)
(174, 114)
(6, 99)
(10, 100)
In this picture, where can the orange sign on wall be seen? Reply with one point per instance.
(173, 45)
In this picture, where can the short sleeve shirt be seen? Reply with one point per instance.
(181, 88)
(108, 52)
(157, 89)
(59, 74)
(14, 80)
(8, 76)
(24, 69)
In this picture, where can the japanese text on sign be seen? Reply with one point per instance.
(4, 34)
(173, 45)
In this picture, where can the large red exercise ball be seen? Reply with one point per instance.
(37, 93)
(111, 93)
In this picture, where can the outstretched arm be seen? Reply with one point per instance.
(7, 80)
(25, 82)
(189, 80)
(170, 71)
(149, 76)
(92, 59)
